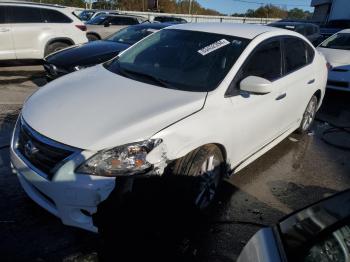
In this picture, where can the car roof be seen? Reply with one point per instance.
(345, 31)
(123, 15)
(248, 31)
(32, 4)
(292, 23)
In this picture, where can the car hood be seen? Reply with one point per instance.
(336, 57)
(96, 109)
(87, 54)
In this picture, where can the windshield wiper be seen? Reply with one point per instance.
(131, 74)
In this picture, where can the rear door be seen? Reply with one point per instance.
(7, 50)
(300, 76)
(29, 29)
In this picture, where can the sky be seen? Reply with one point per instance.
(241, 6)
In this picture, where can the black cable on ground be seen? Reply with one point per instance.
(332, 130)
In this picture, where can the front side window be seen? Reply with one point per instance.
(2, 14)
(98, 20)
(265, 62)
(24, 14)
(295, 54)
(123, 21)
(337, 41)
(180, 59)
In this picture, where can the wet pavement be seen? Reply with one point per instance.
(296, 173)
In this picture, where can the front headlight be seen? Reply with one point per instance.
(123, 160)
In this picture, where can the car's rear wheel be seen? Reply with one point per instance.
(54, 47)
(92, 37)
(205, 166)
(309, 115)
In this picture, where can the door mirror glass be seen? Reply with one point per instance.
(255, 84)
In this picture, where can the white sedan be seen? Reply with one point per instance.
(336, 49)
(197, 100)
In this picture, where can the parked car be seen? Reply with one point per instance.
(336, 49)
(90, 14)
(104, 25)
(310, 31)
(32, 31)
(169, 19)
(196, 100)
(92, 53)
(334, 26)
(320, 232)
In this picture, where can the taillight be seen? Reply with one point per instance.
(81, 27)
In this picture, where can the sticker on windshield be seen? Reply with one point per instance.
(215, 46)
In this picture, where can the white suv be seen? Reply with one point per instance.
(190, 101)
(32, 31)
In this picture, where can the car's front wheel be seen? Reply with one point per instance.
(309, 115)
(205, 168)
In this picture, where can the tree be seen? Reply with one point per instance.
(297, 13)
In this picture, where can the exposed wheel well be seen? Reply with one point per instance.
(318, 94)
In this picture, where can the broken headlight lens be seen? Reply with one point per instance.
(123, 160)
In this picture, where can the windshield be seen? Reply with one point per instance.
(86, 15)
(180, 59)
(337, 41)
(131, 35)
(98, 20)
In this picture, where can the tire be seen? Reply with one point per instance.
(54, 47)
(92, 37)
(205, 166)
(308, 116)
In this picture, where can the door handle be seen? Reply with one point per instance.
(281, 96)
(311, 81)
(3, 30)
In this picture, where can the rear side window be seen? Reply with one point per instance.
(24, 14)
(123, 21)
(2, 14)
(295, 54)
(310, 30)
(53, 16)
(265, 62)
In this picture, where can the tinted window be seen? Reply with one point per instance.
(2, 14)
(98, 20)
(265, 62)
(53, 16)
(131, 34)
(180, 59)
(337, 41)
(123, 21)
(310, 53)
(23, 14)
(310, 30)
(295, 54)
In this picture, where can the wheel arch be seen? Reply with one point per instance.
(66, 40)
(318, 95)
(94, 33)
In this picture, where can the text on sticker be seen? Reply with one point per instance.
(214, 46)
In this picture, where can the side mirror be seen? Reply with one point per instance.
(321, 230)
(255, 84)
(106, 24)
